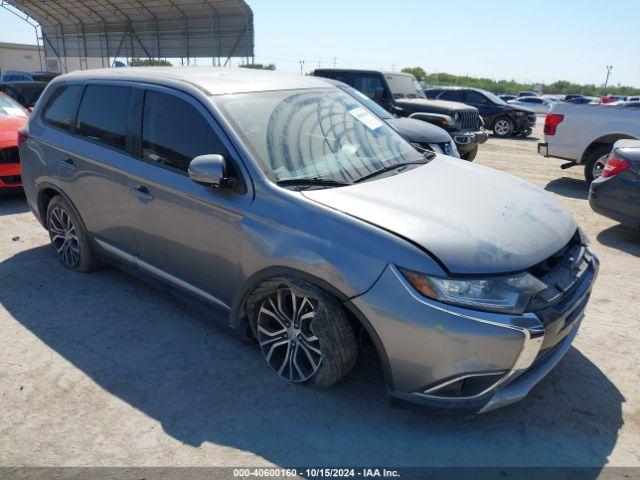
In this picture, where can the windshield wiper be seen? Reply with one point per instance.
(389, 169)
(311, 181)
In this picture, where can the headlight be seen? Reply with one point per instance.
(519, 113)
(436, 148)
(506, 294)
(452, 149)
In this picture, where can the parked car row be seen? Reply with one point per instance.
(504, 119)
(401, 95)
(17, 76)
(303, 214)
(606, 141)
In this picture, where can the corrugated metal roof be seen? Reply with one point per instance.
(143, 28)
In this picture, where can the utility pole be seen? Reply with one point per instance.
(609, 67)
(335, 61)
(301, 67)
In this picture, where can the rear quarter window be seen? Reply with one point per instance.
(61, 107)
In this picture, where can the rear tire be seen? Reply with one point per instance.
(595, 163)
(304, 333)
(69, 237)
(503, 127)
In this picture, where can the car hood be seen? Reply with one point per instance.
(520, 108)
(9, 127)
(472, 218)
(419, 131)
(431, 106)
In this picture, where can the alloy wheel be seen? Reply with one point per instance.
(64, 237)
(286, 337)
(502, 128)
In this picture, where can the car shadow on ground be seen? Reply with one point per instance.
(568, 187)
(168, 360)
(12, 203)
(622, 238)
(530, 138)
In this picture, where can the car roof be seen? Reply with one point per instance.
(359, 70)
(24, 84)
(211, 80)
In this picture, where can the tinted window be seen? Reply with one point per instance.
(370, 85)
(103, 114)
(453, 95)
(174, 132)
(343, 77)
(61, 107)
(475, 98)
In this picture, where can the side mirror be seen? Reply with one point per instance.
(210, 170)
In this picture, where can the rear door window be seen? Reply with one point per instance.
(452, 95)
(175, 132)
(61, 107)
(103, 114)
(475, 98)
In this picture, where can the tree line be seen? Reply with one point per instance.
(512, 86)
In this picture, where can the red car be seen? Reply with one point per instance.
(13, 117)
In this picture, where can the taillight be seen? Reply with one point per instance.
(23, 136)
(614, 166)
(551, 122)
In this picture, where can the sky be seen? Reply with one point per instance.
(532, 41)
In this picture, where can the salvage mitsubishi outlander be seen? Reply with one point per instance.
(287, 204)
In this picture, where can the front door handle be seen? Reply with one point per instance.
(142, 193)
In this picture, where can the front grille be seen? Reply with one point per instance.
(12, 180)
(470, 119)
(561, 272)
(532, 117)
(9, 155)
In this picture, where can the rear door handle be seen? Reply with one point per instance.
(142, 193)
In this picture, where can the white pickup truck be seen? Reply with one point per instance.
(585, 134)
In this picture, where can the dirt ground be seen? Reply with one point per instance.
(102, 370)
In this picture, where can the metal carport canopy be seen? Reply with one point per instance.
(143, 29)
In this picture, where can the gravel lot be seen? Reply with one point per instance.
(101, 369)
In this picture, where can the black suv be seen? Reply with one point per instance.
(401, 95)
(501, 117)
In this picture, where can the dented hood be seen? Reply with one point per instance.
(472, 218)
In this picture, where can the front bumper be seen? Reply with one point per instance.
(467, 140)
(495, 359)
(10, 176)
(525, 122)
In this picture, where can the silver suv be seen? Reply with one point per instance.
(284, 202)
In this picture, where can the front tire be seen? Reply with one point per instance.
(470, 155)
(503, 127)
(595, 163)
(69, 237)
(304, 334)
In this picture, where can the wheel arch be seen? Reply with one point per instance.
(240, 324)
(604, 140)
(46, 192)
